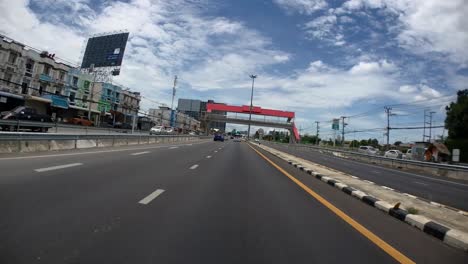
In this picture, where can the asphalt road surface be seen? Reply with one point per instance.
(208, 202)
(441, 190)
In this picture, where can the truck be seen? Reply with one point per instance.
(26, 118)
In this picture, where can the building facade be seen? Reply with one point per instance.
(183, 122)
(129, 105)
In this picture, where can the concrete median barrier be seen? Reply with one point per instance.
(11, 143)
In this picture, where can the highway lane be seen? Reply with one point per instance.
(157, 206)
(441, 190)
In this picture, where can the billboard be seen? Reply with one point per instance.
(105, 51)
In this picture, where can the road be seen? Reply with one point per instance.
(206, 202)
(441, 190)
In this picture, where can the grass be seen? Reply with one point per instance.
(413, 210)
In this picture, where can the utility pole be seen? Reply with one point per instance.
(342, 129)
(388, 111)
(427, 116)
(430, 125)
(251, 104)
(91, 69)
(317, 133)
(172, 103)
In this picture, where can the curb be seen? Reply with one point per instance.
(452, 237)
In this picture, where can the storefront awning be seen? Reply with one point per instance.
(84, 109)
(6, 94)
(57, 101)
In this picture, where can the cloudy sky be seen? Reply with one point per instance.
(320, 58)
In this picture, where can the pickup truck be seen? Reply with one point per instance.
(22, 113)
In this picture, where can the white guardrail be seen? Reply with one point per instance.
(439, 169)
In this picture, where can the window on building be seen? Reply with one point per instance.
(109, 92)
(29, 66)
(25, 87)
(86, 84)
(85, 99)
(62, 76)
(72, 97)
(75, 81)
(46, 70)
(58, 91)
(8, 76)
(12, 58)
(41, 89)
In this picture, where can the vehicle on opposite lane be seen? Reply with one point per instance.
(396, 154)
(22, 113)
(218, 137)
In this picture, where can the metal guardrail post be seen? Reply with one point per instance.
(56, 127)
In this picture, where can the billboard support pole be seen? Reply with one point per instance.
(92, 91)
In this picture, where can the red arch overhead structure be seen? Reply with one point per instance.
(245, 109)
(256, 110)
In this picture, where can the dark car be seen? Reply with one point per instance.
(22, 113)
(218, 137)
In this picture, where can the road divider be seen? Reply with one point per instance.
(58, 167)
(11, 142)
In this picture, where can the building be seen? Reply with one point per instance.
(32, 78)
(78, 91)
(183, 122)
(129, 105)
(197, 109)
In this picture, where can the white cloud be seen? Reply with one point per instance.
(325, 28)
(302, 6)
(408, 89)
(419, 92)
(425, 26)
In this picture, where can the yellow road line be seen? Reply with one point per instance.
(397, 255)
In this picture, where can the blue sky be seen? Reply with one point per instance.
(321, 59)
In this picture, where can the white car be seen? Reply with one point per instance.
(408, 155)
(369, 150)
(157, 130)
(396, 154)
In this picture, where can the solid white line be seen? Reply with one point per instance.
(194, 167)
(354, 177)
(173, 147)
(90, 152)
(58, 167)
(388, 188)
(368, 181)
(421, 183)
(208, 157)
(151, 197)
(140, 153)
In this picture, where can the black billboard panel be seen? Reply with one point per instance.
(105, 51)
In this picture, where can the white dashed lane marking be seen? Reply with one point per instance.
(151, 197)
(58, 167)
(140, 153)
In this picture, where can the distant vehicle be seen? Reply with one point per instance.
(232, 137)
(23, 113)
(257, 140)
(407, 155)
(122, 125)
(218, 137)
(169, 130)
(369, 150)
(396, 154)
(81, 120)
(157, 130)
(192, 133)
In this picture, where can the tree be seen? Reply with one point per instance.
(397, 143)
(456, 123)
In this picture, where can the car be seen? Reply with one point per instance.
(393, 153)
(122, 125)
(156, 130)
(22, 113)
(369, 150)
(81, 120)
(408, 155)
(218, 137)
(192, 133)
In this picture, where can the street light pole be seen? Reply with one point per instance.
(251, 104)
